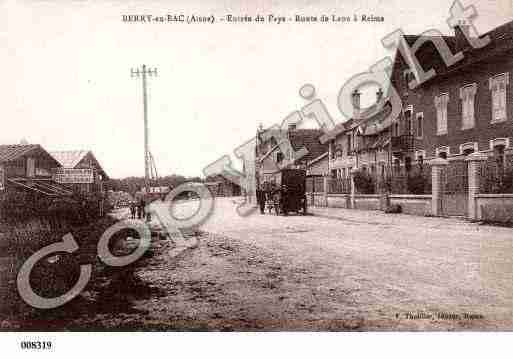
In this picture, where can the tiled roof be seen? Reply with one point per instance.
(308, 138)
(69, 159)
(12, 152)
(501, 40)
(377, 121)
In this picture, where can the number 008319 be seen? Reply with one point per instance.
(36, 345)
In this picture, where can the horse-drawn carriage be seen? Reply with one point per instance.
(286, 192)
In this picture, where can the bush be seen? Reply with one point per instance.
(19, 206)
(494, 182)
(363, 182)
(417, 184)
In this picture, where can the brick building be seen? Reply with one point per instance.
(363, 142)
(464, 108)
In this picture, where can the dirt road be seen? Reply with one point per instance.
(335, 270)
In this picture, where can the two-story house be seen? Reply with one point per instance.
(363, 142)
(464, 108)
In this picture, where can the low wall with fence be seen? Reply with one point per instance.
(338, 200)
(419, 205)
(478, 187)
(367, 201)
(317, 199)
(493, 197)
(495, 207)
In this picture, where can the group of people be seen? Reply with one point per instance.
(138, 210)
(267, 192)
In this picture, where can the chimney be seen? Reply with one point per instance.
(379, 95)
(292, 126)
(356, 103)
(461, 32)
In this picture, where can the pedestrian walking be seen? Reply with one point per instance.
(142, 211)
(132, 210)
(260, 194)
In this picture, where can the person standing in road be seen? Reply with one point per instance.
(260, 194)
(132, 210)
(142, 212)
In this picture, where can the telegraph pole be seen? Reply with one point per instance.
(143, 73)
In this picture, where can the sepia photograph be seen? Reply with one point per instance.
(262, 168)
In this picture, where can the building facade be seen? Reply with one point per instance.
(466, 107)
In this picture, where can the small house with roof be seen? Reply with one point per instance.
(79, 170)
(29, 167)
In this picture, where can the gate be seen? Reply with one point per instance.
(455, 188)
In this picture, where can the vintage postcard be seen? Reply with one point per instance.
(256, 166)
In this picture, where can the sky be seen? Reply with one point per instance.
(66, 80)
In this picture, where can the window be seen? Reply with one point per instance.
(408, 121)
(349, 144)
(467, 96)
(441, 102)
(279, 157)
(498, 154)
(396, 129)
(498, 87)
(334, 173)
(420, 125)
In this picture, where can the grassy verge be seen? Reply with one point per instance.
(19, 241)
